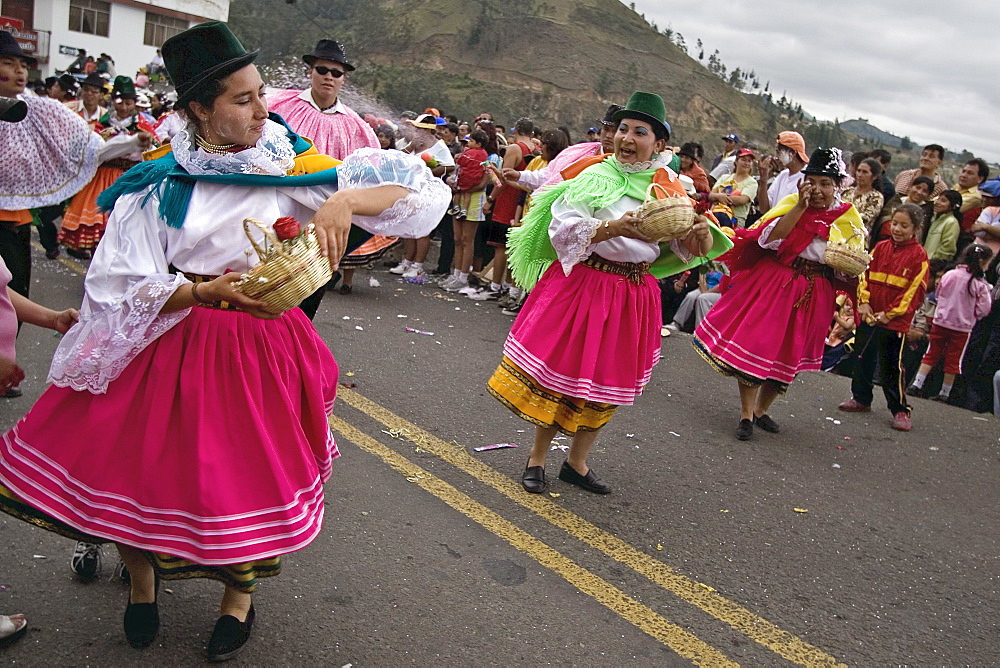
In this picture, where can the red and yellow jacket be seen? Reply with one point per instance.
(895, 281)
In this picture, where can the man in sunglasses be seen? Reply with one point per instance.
(336, 130)
(317, 112)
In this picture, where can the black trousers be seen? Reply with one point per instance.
(15, 249)
(882, 348)
(981, 361)
(47, 233)
(447, 256)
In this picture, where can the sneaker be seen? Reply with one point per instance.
(463, 213)
(914, 391)
(413, 272)
(86, 560)
(852, 405)
(447, 282)
(484, 295)
(506, 301)
(513, 310)
(456, 286)
(943, 398)
(399, 269)
(454, 210)
(673, 327)
(901, 421)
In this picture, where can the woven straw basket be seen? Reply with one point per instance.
(851, 260)
(665, 219)
(288, 272)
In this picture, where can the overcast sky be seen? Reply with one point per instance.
(923, 70)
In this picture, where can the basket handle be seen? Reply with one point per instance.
(663, 189)
(268, 234)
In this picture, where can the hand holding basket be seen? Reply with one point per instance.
(289, 270)
(665, 219)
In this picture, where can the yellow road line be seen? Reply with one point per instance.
(753, 626)
(629, 609)
(64, 261)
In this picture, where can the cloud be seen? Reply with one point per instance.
(910, 72)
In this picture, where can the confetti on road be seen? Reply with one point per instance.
(554, 495)
(800, 510)
(706, 587)
(495, 446)
(659, 548)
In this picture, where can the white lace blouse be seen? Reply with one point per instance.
(574, 225)
(129, 278)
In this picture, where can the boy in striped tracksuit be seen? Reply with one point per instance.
(889, 293)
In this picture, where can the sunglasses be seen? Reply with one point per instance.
(323, 71)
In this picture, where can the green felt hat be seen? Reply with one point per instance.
(646, 107)
(123, 88)
(200, 55)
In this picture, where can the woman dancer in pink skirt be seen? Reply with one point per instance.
(588, 336)
(773, 320)
(199, 441)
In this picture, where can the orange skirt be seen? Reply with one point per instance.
(83, 223)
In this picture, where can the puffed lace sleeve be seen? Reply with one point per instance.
(765, 236)
(413, 216)
(126, 286)
(571, 229)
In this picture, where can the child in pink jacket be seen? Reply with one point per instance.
(963, 298)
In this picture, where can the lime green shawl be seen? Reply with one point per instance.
(529, 248)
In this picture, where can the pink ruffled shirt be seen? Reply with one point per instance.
(337, 132)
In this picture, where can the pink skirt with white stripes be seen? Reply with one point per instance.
(760, 331)
(213, 444)
(592, 335)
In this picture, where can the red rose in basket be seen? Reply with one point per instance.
(287, 228)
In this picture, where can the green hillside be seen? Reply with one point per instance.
(557, 61)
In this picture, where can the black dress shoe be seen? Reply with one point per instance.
(745, 430)
(533, 479)
(346, 289)
(589, 482)
(229, 637)
(767, 424)
(12, 393)
(78, 254)
(142, 621)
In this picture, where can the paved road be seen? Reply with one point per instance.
(432, 553)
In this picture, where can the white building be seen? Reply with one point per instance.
(130, 31)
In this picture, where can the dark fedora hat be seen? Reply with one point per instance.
(96, 80)
(68, 83)
(10, 47)
(12, 110)
(826, 162)
(329, 49)
(646, 107)
(201, 54)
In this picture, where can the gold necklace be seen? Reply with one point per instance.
(212, 148)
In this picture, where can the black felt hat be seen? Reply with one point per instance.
(329, 49)
(10, 47)
(68, 83)
(96, 80)
(825, 162)
(201, 54)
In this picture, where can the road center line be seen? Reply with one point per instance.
(754, 627)
(701, 596)
(677, 639)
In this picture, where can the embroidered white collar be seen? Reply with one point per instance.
(273, 154)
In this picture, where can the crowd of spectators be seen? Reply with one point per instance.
(476, 156)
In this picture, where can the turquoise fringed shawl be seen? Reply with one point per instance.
(175, 186)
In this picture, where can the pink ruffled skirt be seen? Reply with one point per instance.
(769, 325)
(591, 335)
(212, 446)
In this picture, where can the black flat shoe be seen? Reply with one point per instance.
(346, 289)
(78, 254)
(533, 479)
(142, 621)
(589, 482)
(229, 637)
(745, 430)
(767, 424)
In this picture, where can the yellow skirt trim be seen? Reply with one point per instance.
(519, 392)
